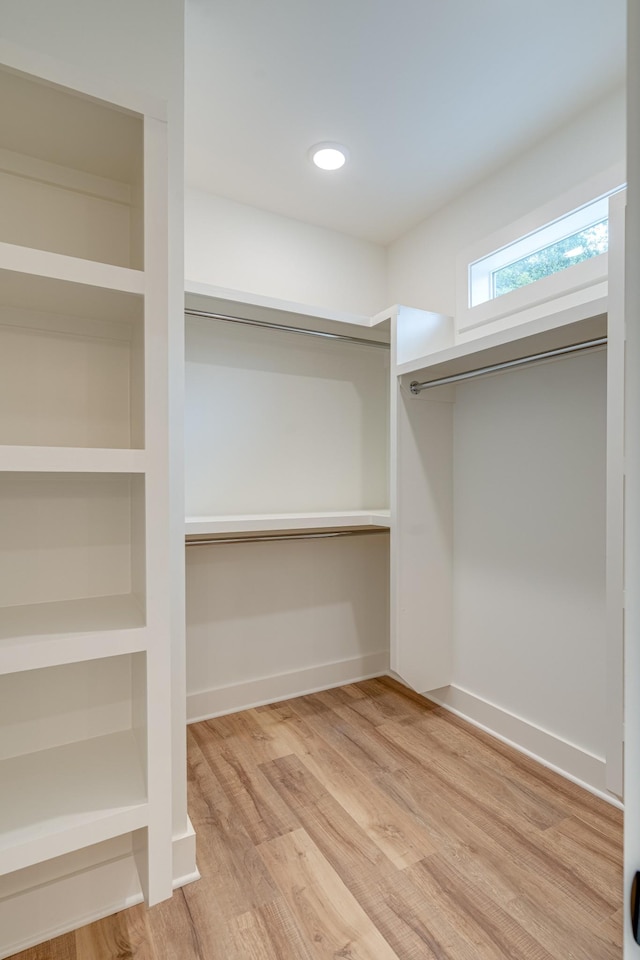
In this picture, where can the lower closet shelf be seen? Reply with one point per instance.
(58, 800)
(271, 524)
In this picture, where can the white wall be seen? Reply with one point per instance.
(238, 247)
(267, 621)
(422, 263)
(305, 425)
(529, 546)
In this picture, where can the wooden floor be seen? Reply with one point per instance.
(364, 823)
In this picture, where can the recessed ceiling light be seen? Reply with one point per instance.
(329, 156)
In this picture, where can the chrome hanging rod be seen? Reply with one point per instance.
(270, 537)
(416, 388)
(285, 329)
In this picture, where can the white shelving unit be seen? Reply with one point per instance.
(84, 618)
(287, 444)
(507, 510)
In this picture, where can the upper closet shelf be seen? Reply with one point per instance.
(58, 266)
(285, 313)
(215, 528)
(574, 325)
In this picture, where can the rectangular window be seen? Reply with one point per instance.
(552, 259)
(578, 236)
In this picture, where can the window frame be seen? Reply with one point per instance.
(482, 272)
(560, 218)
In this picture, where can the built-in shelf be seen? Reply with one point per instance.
(71, 460)
(84, 618)
(575, 325)
(59, 266)
(261, 309)
(71, 173)
(213, 528)
(71, 361)
(67, 536)
(67, 797)
(35, 281)
(43, 634)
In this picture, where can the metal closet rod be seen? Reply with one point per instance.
(285, 329)
(264, 538)
(416, 388)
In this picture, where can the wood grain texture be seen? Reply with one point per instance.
(366, 823)
(124, 935)
(62, 948)
(386, 894)
(612, 931)
(332, 920)
(174, 934)
(268, 933)
(397, 835)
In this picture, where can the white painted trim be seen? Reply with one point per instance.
(83, 897)
(185, 869)
(570, 761)
(585, 278)
(614, 714)
(298, 683)
(632, 479)
(587, 300)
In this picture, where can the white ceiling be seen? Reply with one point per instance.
(429, 96)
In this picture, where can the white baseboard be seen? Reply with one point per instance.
(59, 905)
(185, 869)
(550, 750)
(254, 693)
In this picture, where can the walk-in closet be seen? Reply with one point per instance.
(319, 510)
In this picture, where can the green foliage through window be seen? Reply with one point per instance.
(580, 246)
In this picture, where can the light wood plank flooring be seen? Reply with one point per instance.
(365, 823)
